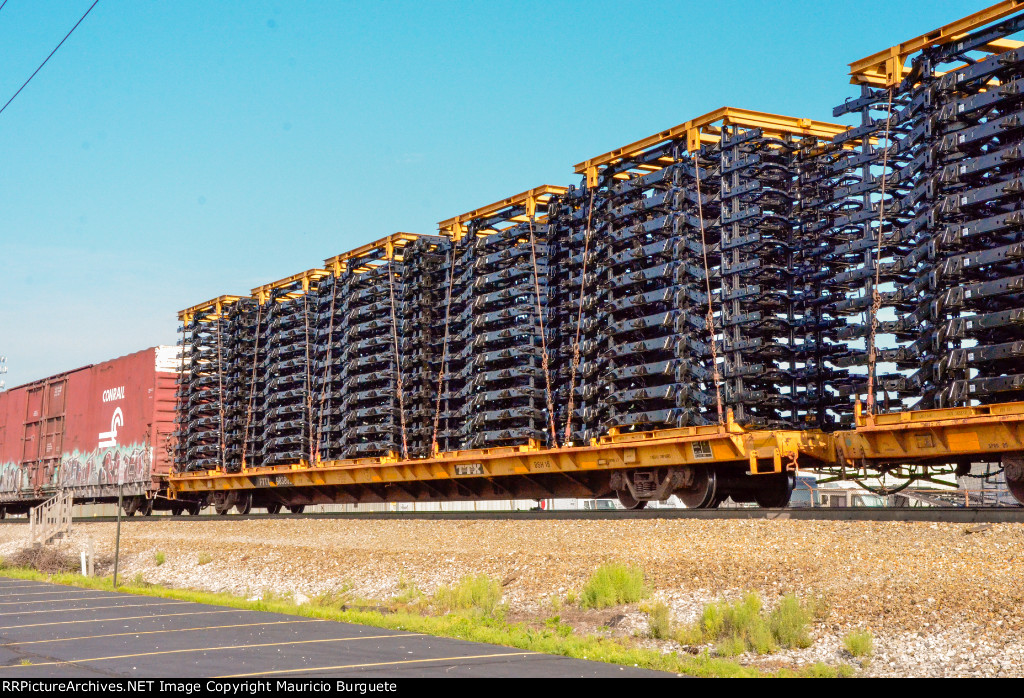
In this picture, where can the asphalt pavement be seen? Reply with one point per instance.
(50, 631)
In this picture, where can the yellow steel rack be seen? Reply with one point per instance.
(208, 311)
(530, 200)
(708, 129)
(888, 67)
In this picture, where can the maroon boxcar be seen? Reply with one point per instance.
(90, 429)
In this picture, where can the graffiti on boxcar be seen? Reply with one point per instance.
(12, 477)
(128, 463)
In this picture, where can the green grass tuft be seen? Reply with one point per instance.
(271, 596)
(741, 627)
(410, 598)
(555, 623)
(140, 581)
(335, 598)
(614, 584)
(820, 670)
(160, 558)
(789, 623)
(480, 595)
(859, 643)
(205, 558)
(659, 622)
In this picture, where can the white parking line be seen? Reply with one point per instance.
(98, 608)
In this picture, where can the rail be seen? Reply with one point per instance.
(944, 514)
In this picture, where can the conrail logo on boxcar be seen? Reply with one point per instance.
(111, 394)
(109, 438)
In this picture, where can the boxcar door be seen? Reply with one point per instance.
(30, 440)
(52, 433)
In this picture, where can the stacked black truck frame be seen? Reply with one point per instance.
(776, 268)
(215, 338)
(501, 336)
(934, 169)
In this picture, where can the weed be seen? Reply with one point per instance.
(820, 608)
(659, 622)
(859, 643)
(561, 629)
(336, 598)
(205, 558)
(614, 584)
(570, 598)
(139, 581)
(407, 591)
(160, 558)
(25, 662)
(789, 622)
(731, 646)
(270, 596)
(331, 599)
(480, 595)
(409, 598)
(740, 627)
(556, 603)
(820, 670)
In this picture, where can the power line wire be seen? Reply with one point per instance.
(2, 4)
(48, 57)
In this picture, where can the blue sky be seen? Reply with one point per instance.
(171, 152)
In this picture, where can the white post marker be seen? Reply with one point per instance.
(120, 505)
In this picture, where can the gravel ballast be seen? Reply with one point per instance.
(939, 599)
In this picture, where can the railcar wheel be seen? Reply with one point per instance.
(176, 509)
(627, 500)
(776, 491)
(243, 504)
(132, 505)
(297, 508)
(702, 489)
(1014, 472)
(3, 512)
(223, 501)
(194, 508)
(146, 507)
(274, 508)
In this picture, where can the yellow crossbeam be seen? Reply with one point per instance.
(215, 305)
(390, 246)
(888, 67)
(455, 227)
(298, 283)
(708, 129)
